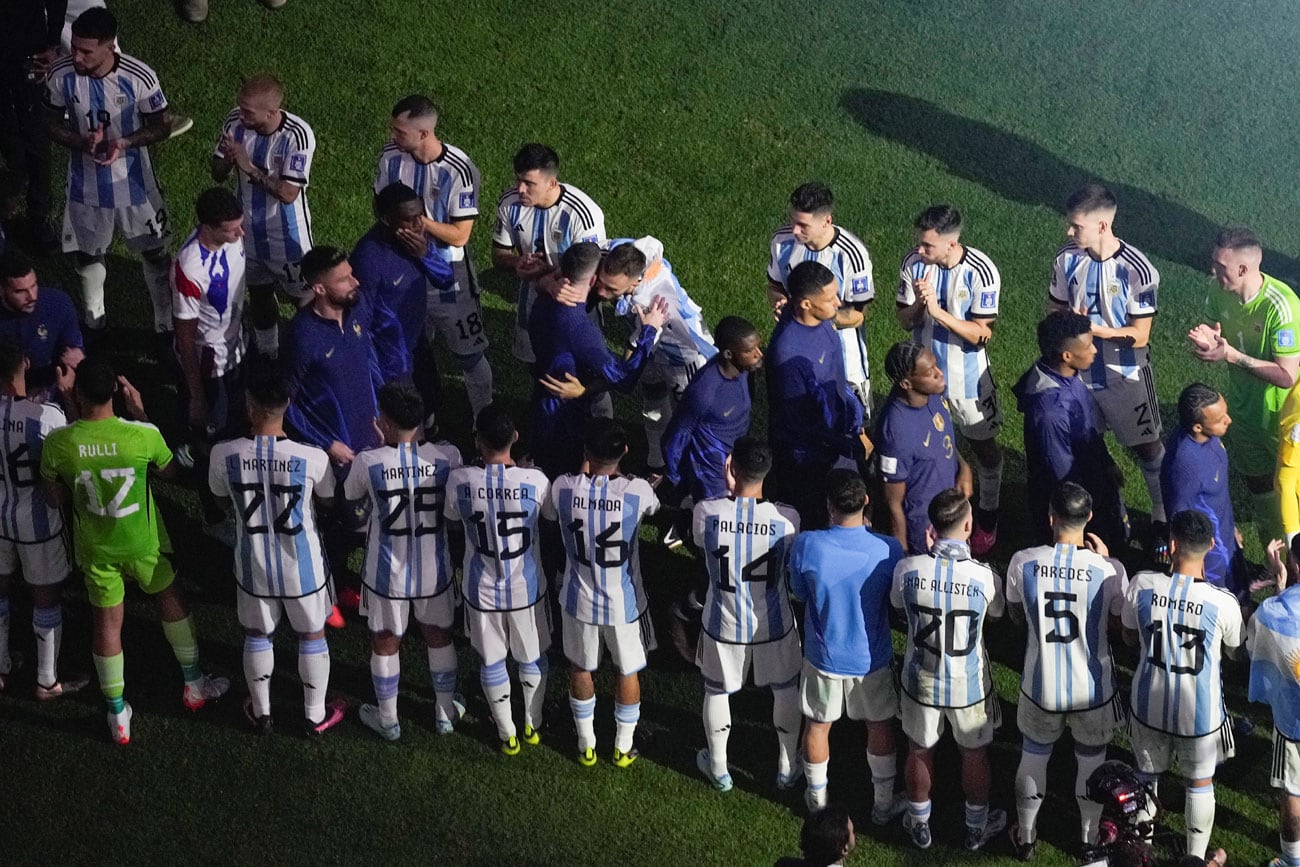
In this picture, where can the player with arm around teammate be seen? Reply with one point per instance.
(947, 598)
(503, 585)
(32, 535)
(748, 623)
(603, 602)
(1068, 594)
(1273, 638)
(273, 484)
(842, 576)
(407, 570)
(100, 464)
(1180, 624)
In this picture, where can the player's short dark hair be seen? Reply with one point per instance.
(625, 260)
(318, 261)
(901, 360)
(13, 264)
(1192, 530)
(944, 219)
(1057, 330)
(751, 459)
(417, 107)
(217, 205)
(824, 836)
(494, 427)
(1089, 199)
(392, 197)
(947, 510)
(11, 359)
(96, 380)
(1295, 546)
(267, 389)
(846, 492)
(263, 83)
(400, 402)
(605, 439)
(813, 197)
(1237, 238)
(579, 262)
(733, 331)
(95, 23)
(1192, 403)
(1071, 504)
(539, 157)
(807, 279)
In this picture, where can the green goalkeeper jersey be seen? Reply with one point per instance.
(1266, 327)
(105, 463)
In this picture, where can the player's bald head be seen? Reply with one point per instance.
(264, 89)
(418, 110)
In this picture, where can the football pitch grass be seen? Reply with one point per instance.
(691, 121)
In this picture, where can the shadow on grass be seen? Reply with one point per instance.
(1023, 171)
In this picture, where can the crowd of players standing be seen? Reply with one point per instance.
(322, 427)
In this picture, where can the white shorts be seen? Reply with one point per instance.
(262, 613)
(1130, 408)
(89, 230)
(863, 391)
(43, 563)
(1286, 765)
(823, 697)
(728, 665)
(394, 615)
(628, 643)
(1153, 751)
(458, 316)
(978, 418)
(1091, 728)
(281, 273)
(524, 633)
(972, 726)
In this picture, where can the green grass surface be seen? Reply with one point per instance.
(691, 121)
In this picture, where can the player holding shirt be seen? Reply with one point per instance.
(207, 305)
(947, 598)
(271, 151)
(713, 412)
(814, 421)
(948, 297)
(503, 584)
(447, 182)
(1180, 623)
(748, 622)
(842, 575)
(1195, 476)
(273, 483)
(1115, 286)
(41, 321)
(685, 343)
(407, 569)
(31, 532)
(107, 108)
(537, 220)
(1068, 593)
(812, 236)
(1255, 324)
(603, 601)
(100, 464)
(916, 443)
(1273, 638)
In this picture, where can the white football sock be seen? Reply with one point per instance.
(626, 716)
(786, 716)
(1089, 810)
(584, 720)
(532, 682)
(385, 676)
(1031, 787)
(314, 670)
(259, 664)
(883, 771)
(815, 772)
(1198, 811)
(496, 688)
(156, 277)
(1151, 475)
(92, 277)
(990, 479)
(47, 623)
(717, 728)
(478, 385)
(442, 670)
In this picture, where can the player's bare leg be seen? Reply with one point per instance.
(816, 757)
(982, 824)
(106, 648)
(442, 670)
(627, 713)
(582, 701)
(918, 774)
(1289, 810)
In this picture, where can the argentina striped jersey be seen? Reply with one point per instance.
(500, 508)
(685, 340)
(275, 231)
(448, 186)
(24, 515)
